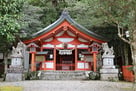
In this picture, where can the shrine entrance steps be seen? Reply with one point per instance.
(63, 75)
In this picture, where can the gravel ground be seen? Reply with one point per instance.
(71, 85)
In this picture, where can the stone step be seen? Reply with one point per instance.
(63, 75)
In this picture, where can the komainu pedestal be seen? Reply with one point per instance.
(15, 71)
(108, 70)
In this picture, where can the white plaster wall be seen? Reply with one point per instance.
(49, 64)
(80, 65)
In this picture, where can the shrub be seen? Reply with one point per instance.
(31, 75)
(94, 75)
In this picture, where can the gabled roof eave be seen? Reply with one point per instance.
(66, 16)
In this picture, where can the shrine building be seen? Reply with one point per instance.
(64, 45)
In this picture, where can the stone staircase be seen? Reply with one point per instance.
(63, 75)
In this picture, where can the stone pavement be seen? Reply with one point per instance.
(70, 85)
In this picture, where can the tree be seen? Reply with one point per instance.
(10, 13)
(9, 25)
(122, 14)
(31, 19)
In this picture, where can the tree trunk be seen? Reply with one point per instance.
(126, 54)
(5, 62)
(134, 60)
(133, 50)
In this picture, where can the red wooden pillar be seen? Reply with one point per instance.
(33, 66)
(76, 57)
(54, 57)
(95, 62)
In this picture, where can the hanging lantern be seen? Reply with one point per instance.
(94, 46)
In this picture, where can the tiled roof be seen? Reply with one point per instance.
(65, 16)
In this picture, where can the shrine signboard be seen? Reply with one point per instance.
(65, 52)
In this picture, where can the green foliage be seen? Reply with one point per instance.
(40, 13)
(94, 75)
(31, 21)
(52, 10)
(121, 12)
(8, 27)
(45, 3)
(11, 7)
(9, 15)
(86, 13)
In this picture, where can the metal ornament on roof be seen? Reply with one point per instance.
(65, 27)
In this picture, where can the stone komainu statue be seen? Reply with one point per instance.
(18, 49)
(107, 50)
